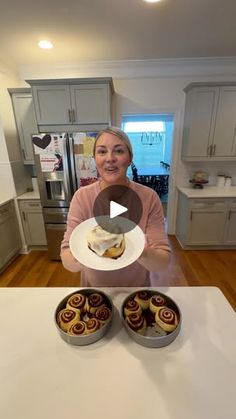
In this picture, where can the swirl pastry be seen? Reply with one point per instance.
(106, 244)
(156, 303)
(77, 328)
(77, 301)
(142, 299)
(137, 323)
(66, 317)
(166, 318)
(95, 300)
(131, 307)
(103, 314)
(92, 325)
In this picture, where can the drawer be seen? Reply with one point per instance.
(30, 205)
(232, 203)
(208, 203)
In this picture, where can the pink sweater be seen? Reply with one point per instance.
(152, 224)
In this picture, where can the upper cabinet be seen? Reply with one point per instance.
(209, 122)
(25, 121)
(72, 104)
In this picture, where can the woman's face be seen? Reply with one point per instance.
(112, 159)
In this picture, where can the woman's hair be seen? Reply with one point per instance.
(118, 133)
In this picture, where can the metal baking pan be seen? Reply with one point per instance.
(154, 337)
(86, 339)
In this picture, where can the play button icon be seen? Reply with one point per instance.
(116, 209)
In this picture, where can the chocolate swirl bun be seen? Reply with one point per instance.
(137, 323)
(142, 299)
(166, 318)
(156, 303)
(95, 300)
(92, 325)
(103, 314)
(77, 328)
(77, 301)
(132, 306)
(66, 317)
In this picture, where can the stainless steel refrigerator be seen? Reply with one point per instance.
(64, 163)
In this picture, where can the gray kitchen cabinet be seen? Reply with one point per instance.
(206, 222)
(25, 121)
(33, 223)
(72, 104)
(230, 231)
(209, 130)
(10, 243)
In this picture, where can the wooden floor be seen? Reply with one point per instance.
(187, 268)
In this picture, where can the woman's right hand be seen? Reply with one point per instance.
(69, 262)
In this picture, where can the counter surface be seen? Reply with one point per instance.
(43, 377)
(29, 195)
(209, 192)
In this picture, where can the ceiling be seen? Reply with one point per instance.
(98, 30)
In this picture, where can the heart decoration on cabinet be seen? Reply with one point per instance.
(42, 142)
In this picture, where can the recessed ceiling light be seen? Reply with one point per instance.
(45, 44)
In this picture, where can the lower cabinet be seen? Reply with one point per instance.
(33, 223)
(206, 222)
(10, 243)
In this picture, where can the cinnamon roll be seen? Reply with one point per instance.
(77, 301)
(132, 306)
(94, 301)
(77, 328)
(93, 325)
(66, 317)
(166, 318)
(142, 299)
(103, 314)
(137, 323)
(156, 303)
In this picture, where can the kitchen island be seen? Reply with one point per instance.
(43, 377)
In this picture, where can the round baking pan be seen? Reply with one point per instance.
(86, 339)
(154, 336)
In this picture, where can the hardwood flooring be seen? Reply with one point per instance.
(187, 268)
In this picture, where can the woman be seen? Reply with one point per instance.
(113, 155)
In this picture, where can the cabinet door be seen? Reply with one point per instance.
(206, 227)
(25, 122)
(33, 223)
(230, 231)
(200, 114)
(90, 103)
(10, 242)
(225, 128)
(52, 104)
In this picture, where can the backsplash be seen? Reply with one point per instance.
(212, 168)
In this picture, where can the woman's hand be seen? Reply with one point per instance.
(154, 260)
(69, 262)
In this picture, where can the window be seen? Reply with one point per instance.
(151, 139)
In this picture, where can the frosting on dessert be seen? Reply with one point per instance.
(100, 240)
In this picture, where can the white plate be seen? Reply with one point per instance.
(134, 245)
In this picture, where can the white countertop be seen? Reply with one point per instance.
(29, 195)
(43, 377)
(209, 192)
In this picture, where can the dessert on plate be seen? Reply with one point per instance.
(105, 244)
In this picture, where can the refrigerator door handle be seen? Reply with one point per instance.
(72, 164)
(67, 188)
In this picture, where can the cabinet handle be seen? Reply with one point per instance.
(213, 149)
(229, 215)
(73, 115)
(191, 215)
(209, 150)
(23, 214)
(69, 113)
(23, 152)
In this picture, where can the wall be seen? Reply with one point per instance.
(9, 137)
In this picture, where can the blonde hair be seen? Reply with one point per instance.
(118, 133)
